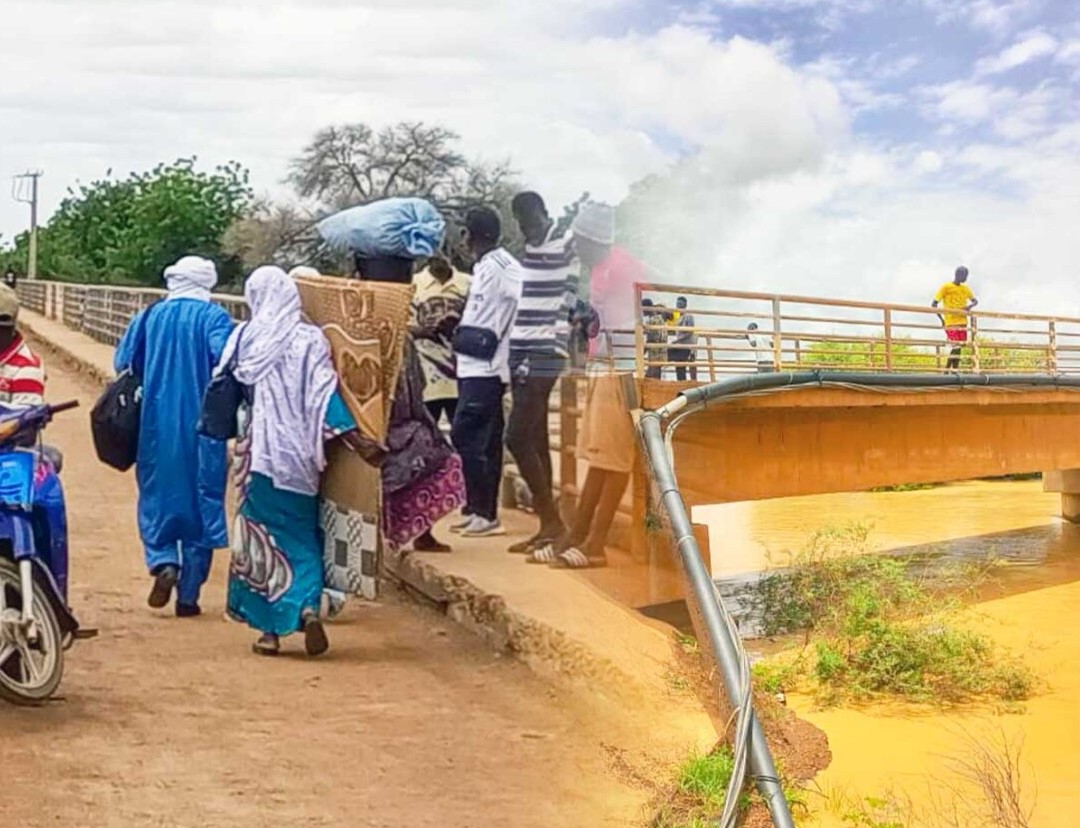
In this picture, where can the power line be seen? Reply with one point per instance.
(24, 188)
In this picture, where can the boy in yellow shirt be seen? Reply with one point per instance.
(957, 300)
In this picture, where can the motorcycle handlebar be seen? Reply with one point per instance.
(64, 406)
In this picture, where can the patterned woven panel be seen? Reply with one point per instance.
(352, 504)
(354, 315)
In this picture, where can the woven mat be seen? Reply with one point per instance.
(366, 324)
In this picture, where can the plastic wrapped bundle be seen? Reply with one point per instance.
(405, 227)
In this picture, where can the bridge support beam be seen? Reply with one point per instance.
(1067, 483)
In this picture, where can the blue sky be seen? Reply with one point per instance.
(855, 147)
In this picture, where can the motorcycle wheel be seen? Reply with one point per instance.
(29, 673)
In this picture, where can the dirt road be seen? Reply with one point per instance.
(164, 722)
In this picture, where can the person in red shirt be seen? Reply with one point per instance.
(606, 433)
(22, 374)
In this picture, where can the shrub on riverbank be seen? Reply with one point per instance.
(872, 627)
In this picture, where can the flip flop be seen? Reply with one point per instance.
(542, 555)
(574, 558)
(267, 645)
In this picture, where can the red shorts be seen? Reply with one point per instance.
(957, 334)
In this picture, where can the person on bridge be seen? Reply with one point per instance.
(482, 344)
(173, 346)
(685, 342)
(22, 374)
(276, 577)
(958, 300)
(539, 353)
(606, 434)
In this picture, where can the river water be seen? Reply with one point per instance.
(1031, 606)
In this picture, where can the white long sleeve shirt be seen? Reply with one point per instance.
(493, 303)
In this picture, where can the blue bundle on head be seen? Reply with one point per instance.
(405, 227)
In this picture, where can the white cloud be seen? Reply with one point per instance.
(782, 196)
(1032, 47)
(125, 84)
(998, 17)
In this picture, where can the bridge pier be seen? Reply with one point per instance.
(1067, 483)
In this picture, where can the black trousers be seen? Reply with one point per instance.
(527, 433)
(437, 407)
(477, 435)
(683, 355)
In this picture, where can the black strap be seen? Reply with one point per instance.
(140, 348)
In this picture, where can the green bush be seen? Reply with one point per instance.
(878, 629)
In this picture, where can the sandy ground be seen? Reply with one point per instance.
(408, 721)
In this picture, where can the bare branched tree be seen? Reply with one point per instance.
(352, 164)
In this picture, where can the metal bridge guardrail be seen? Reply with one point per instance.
(801, 333)
(102, 312)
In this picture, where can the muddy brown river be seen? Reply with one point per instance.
(1031, 606)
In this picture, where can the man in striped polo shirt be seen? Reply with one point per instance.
(22, 375)
(539, 354)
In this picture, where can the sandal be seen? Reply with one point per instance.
(574, 558)
(542, 555)
(526, 546)
(267, 645)
(315, 641)
(427, 542)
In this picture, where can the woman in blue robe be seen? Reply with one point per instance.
(276, 578)
(173, 346)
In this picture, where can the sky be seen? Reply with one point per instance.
(853, 148)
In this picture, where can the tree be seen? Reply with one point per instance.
(352, 164)
(129, 230)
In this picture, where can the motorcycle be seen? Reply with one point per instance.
(36, 624)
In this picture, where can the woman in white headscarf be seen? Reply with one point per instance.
(276, 577)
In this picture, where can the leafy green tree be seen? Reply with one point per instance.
(128, 230)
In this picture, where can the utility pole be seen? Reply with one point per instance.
(29, 180)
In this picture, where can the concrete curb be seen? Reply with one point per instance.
(543, 648)
(84, 367)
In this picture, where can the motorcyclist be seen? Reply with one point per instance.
(22, 373)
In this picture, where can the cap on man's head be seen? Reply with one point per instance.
(961, 271)
(9, 304)
(752, 326)
(596, 223)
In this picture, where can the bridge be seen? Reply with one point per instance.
(1012, 407)
(792, 441)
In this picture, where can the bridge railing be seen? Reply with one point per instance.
(102, 312)
(805, 333)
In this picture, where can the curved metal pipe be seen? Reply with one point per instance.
(723, 640)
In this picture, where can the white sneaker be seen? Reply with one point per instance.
(462, 524)
(483, 528)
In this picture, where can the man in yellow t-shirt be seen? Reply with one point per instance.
(957, 300)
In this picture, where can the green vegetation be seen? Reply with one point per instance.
(699, 793)
(872, 628)
(908, 487)
(994, 356)
(125, 231)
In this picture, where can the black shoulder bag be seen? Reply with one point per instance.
(222, 400)
(116, 416)
(477, 342)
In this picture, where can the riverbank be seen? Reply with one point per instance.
(910, 753)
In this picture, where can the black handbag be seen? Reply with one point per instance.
(222, 400)
(473, 341)
(114, 422)
(116, 416)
